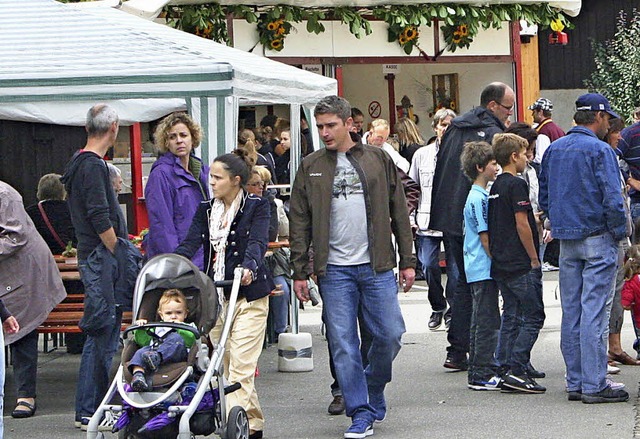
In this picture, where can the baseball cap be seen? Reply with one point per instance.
(541, 104)
(595, 102)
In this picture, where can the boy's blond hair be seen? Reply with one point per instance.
(505, 144)
(173, 295)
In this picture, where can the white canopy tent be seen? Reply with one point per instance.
(72, 57)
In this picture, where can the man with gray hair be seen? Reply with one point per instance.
(428, 241)
(97, 219)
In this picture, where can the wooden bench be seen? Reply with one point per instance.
(64, 319)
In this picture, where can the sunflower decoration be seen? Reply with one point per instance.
(406, 36)
(457, 36)
(271, 33)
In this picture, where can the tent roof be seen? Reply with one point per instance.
(90, 54)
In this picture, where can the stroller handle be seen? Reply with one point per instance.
(223, 283)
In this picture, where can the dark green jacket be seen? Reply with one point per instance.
(310, 210)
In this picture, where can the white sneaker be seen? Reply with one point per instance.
(612, 370)
(106, 424)
(548, 267)
(614, 385)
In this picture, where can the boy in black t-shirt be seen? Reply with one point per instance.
(515, 265)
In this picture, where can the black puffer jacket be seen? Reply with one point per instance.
(450, 186)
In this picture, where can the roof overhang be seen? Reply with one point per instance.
(570, 7)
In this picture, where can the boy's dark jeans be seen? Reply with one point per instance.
(522, 318)
(485, 328)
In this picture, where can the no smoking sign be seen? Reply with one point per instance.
(375, 109)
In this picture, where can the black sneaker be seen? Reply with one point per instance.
(139, 383)
(455, 364)
(535, 374)
(435, 321)
(151, 360)
(605, 395)
(575, 395)
(447, 319)
(523, 384)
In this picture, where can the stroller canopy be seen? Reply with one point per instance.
(167, 271)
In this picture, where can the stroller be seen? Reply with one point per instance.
(183, 402)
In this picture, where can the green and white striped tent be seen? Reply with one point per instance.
(56, 60)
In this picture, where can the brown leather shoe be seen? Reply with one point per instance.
(624, 358)
(337, 406)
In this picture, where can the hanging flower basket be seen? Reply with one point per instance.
(406, 37)
(457, 36)
(271, 33)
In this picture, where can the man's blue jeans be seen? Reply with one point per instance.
(95, 363)
(344, 289)
(428, 248)
(522, 319)
(587, 280)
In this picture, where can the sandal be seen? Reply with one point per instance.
(31, 410)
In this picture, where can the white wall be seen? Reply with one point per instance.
(564, 105)
(364, 83)
(337, 41)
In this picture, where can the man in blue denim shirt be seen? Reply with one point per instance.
(580, 193)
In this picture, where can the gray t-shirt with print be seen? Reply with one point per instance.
(348, 240)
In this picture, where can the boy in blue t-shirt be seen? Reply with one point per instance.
(515, 264)
(479, 165)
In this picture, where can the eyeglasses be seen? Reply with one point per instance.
(504, 106)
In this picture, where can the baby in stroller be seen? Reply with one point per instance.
(161, 345)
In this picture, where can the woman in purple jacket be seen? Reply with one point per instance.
(178, 182)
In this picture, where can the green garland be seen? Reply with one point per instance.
(459, 23)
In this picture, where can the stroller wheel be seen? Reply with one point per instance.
(237, 424)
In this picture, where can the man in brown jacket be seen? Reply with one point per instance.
(347, 199)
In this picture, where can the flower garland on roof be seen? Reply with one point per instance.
(460, 23)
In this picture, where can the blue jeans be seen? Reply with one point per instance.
(171, 350)
(587, 280)
(279, 305)
(485, 327)
(344, 290)
(95, 363)
(522, 318)
(429, 255)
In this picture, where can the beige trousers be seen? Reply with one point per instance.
(243, 349)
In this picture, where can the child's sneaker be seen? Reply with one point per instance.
(495, 383)
(522, 383)
(139, 382)
(614, 385)
(151, 360)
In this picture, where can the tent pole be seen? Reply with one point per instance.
(140, 218)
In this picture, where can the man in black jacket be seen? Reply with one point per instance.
(97, 218)
(449, 193)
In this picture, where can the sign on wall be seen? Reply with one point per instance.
(390, 68)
